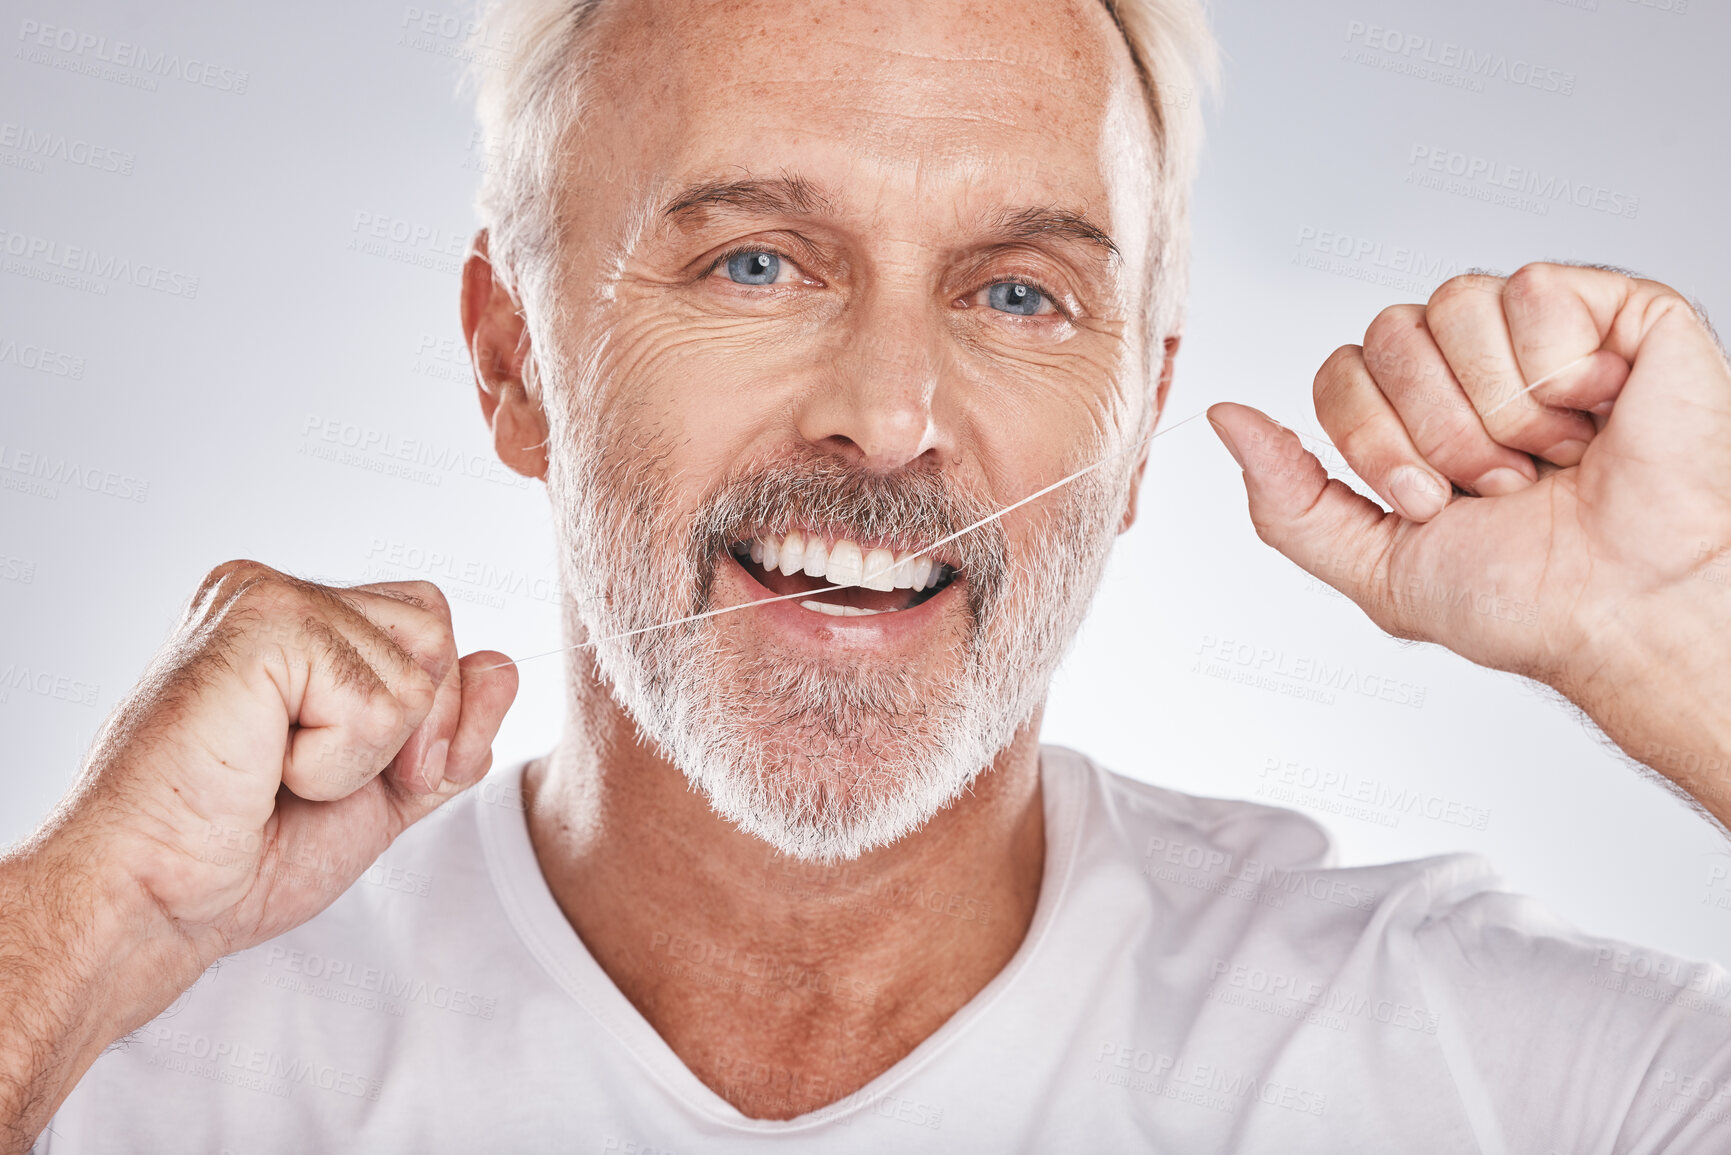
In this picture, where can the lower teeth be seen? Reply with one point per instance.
(841, 611)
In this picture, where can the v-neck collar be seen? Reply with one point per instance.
(549, 937)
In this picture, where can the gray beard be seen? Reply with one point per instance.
(822, 762)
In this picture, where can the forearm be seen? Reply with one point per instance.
(80, 966)
(1658, 688)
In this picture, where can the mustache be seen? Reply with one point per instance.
(915, 505)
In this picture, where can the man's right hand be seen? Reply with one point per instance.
(278, 743)
(281, 740)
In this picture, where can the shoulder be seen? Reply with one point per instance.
(1150, 820)
(1268, 870)
(1569, 1038)
(1495, 947)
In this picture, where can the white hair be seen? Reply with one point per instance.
(529, 59)
(822, 763)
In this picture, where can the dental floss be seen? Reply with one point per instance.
(1551, 376)
(988, 519)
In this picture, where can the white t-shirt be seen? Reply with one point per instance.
(1196, 979)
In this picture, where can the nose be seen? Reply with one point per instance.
(877, 405)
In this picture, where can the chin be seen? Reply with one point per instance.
(825, 764)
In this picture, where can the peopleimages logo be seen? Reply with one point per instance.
(53, 471)
(41, 359)
(87, 268)
(82, 51)
(1519, 186)
(1334, 1001)
(1443, 61)
(1302, 676)
(47, 684)
(1372, 799)
(1401, 267)
(30, 146)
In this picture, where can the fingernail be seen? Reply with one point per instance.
(1419, 495)
(1226, 440)
(1503, 479)
(1565, 452)
(433, 765)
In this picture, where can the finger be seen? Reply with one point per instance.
(1466, 319)
(1590, 384)
(1559, 311)
(415, 614)
(489, 681)
(417, 617)
(1363, 425)
(270, 616)
(354, 699)
(349, 695)
(1558, 315)
(1407, 366)
(1331, 532)
(326, 844)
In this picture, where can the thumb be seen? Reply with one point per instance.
(489, 687)
(456, 762)
(1331, 532)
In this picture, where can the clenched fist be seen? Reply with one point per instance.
(1569, 532)
(279, 742)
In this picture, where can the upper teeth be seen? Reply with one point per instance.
(844, 563)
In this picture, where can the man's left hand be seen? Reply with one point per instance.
(1578, 534)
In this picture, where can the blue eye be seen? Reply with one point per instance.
(754, 268)
(1012, 297)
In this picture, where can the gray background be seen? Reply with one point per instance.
(169, 430)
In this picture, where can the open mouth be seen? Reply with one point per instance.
(875, 579)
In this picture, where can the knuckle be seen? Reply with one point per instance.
(1666, 301)
(382, 716)
(422, 595)
(251, 601)
(1484, 372)
(418, 689)
(337, 767)
(1536, 293)
(1401, 355)
(1464, 292)
(1332, 377)
(1361, 445)
(269, 612)
(222, 582)
(1535, 281)
(1455, 447)
(269, 592)
(1394, 327)
(235, 566)
(434, 598)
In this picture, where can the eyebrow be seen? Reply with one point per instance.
(782, 195)
(796, 196)
(1031, 224)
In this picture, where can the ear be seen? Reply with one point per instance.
(1160, 391)
(498, 341)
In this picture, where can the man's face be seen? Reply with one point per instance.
(855, 274)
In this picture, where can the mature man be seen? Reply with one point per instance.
(782, 297)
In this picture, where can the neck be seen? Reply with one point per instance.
(782, 985)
